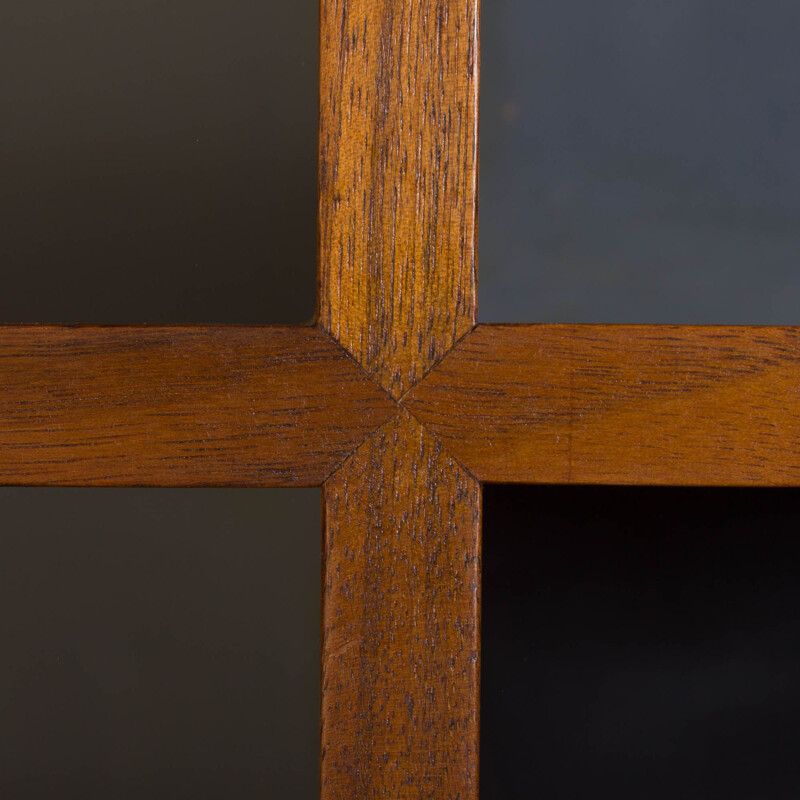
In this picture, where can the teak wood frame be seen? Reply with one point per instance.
(396, 403)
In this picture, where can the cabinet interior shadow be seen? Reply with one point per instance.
(159, 643)
(640, 642)
(159, 161)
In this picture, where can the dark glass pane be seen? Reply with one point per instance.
(639, 161)
(159, 644)
(640, 643)
(158, 160)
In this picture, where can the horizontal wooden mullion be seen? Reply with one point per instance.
(179, 406)
(620, 404)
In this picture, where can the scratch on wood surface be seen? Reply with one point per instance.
(401, 621)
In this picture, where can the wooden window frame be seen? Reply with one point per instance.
(397, 403)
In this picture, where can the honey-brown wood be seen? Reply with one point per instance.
(398, 180)
(227, 406)
(401, 613)
(620, 404)
(85, 406)
(398, 183)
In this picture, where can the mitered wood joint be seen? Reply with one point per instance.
(398, 181)
(401, 621)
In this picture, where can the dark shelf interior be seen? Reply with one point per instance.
(640, 642)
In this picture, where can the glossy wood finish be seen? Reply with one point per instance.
(611, 404)
(398, 203)
(401, 616)
(398, 180)
(289, 407)
(85, 406)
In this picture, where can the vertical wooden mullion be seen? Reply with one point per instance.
(398, 139)
(398, 181)
(401, 622)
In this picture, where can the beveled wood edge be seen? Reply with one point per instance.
(418, 400)
(336, 424)
(447, 400)
(384, 168)
(380, 615)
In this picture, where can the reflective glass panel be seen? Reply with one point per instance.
(639, 161)
(159, 643)
(158, 161)
(640, 642)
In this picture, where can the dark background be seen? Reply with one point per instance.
(640, 642)
(158, 164)
(158, 160)
(159, 643)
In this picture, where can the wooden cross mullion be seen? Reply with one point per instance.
(397, 403)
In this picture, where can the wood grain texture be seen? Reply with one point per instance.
(401, 614)
(122, 406)
(398, 180)
(620, 404)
